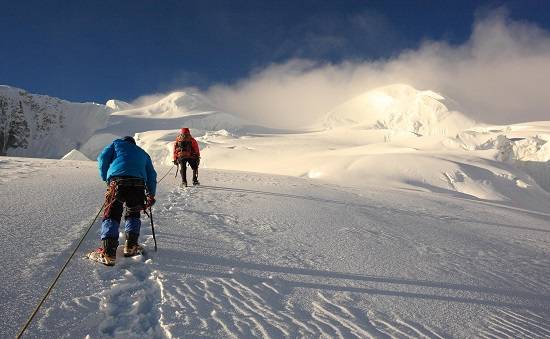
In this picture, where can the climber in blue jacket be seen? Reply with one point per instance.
(132, 181)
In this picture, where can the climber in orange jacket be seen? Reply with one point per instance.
(186, 150)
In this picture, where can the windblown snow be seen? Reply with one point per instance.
(394, 215)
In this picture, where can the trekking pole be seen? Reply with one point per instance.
(152, 226)
(177, 170)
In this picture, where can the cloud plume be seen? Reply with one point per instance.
(499, 75)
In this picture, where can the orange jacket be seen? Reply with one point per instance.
(190, 150)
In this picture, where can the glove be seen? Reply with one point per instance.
(175, 162)
(150, 200)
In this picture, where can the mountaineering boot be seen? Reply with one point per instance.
(196, 178)
(105, 254)
(131, 246)
(184, 176)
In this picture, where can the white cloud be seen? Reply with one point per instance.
(499, 75)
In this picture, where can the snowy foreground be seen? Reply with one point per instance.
(259, 255)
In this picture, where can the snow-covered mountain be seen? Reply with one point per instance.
(43, 126)
(399, 107)
(163, 117)
(394, 136)
(173, 105)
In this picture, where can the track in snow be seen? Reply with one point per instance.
(266, 256)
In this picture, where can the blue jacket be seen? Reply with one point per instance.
(123, 158)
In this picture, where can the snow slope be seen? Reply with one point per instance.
(480, 167)
(399, 217)
(303, 259)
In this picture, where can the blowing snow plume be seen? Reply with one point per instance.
(495, 76)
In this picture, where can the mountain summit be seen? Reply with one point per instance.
(399, 107)
(173, 105)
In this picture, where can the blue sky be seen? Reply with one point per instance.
(97, 50)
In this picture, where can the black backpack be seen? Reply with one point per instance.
(184, 147)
